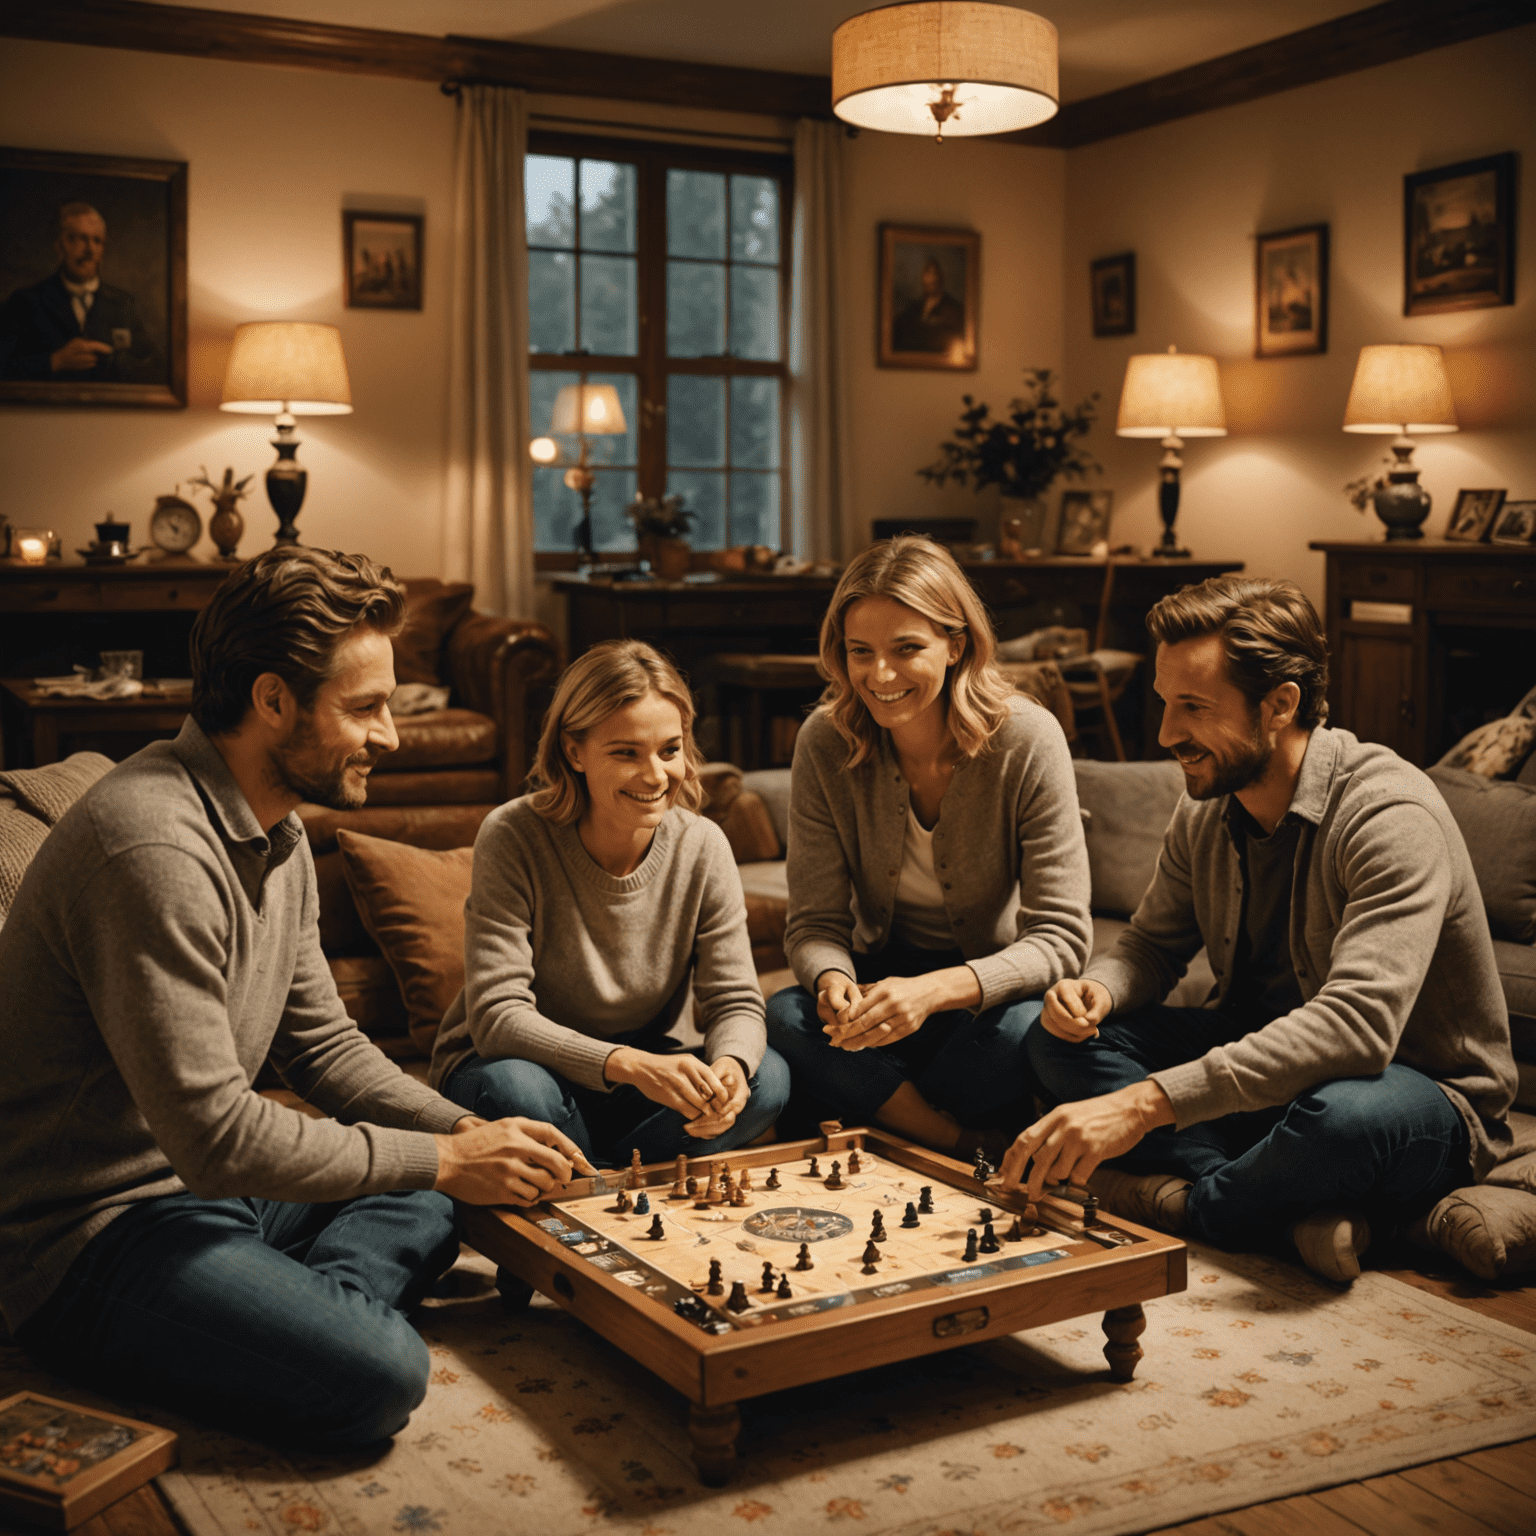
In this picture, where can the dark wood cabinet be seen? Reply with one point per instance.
(1429, 639)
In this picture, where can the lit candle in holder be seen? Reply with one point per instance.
(30, 545)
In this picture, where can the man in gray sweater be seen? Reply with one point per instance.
(1354, 1059)
(166, 1233)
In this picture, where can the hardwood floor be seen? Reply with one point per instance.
(1484, 1493)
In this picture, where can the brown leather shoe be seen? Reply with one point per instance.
(1150, 1199)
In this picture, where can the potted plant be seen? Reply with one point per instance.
(1023, 454)
(661, 528)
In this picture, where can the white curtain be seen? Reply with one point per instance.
(488, 500)
(819, 499)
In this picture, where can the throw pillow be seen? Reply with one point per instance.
(1494, 750)
(431, 610)
(1126, 809)
(412, 902)
(1498, 824)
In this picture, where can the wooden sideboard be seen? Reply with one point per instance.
(1428, 639)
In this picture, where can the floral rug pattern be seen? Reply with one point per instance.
(1258, 1383)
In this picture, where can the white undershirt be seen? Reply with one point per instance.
(920, 918)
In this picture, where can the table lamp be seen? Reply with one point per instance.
(581, 411)
(1401, 388)
(1171, 395)
(287, 368)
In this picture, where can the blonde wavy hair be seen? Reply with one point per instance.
(923, 576)
(612, 674)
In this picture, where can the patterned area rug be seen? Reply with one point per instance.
(1258, 1383)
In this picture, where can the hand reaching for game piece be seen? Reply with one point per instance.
(679, 1081)
(898, 1006)
(1074, 1009)
(719, 1116)
(497, 1162)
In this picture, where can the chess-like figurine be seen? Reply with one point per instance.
(680, 1190)
(989, 1242)
(784, 1292)
(925, 1200)
(854, 1161)
(623, 1203)
(716, 1285)
(773, 1179)
(877, 1229)
(1091, 1211)
(834, 1180)
(970, 1246)
(871, 1258)
(745, 1181)
(690, 1186)
(739, 1301)
(642, 1204)
(983, 1172)
(636, 1177)
(739, 1197)
(910, 1219)
(767, 1285)
(658, 1227)
(1015, 1233)
(983, 1216)
(805, 1261)
(815, 1169)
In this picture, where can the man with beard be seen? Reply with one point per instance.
(1353, 1062)
(166, 1233)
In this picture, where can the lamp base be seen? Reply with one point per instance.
(1402, 503)
(287, 480)
(1168, 502)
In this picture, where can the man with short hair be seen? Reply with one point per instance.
(166, 1233)
(1354, 1059)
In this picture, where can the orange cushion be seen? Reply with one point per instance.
(432, 608)
(412, 901)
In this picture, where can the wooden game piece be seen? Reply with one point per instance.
(910, 1219)
(622, 1204)
(854, 1161)
(739, 1198)
(1091, 1211)
(636, 1177)
(745, 1181)
(989, 1242)
(970, 1246)
(690, 1187)
(658, 1227)
(877, 1228)
(1015, 1233)
(739, 1301)
(983, 1171)
(1032, 1219)
(784, 1291)
(925, 1200)
(871, 1259)
(773, 1179)
(767, 1285)
(983, 1216)
(728, 1188)
(642, 1204)
(680, 1190)
(815, 1169)
(834, 1180)
(716, 1286)
(714, 1194)
(805, 1261)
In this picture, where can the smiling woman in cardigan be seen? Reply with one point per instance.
(938, 880)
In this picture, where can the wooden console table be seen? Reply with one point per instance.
(50, 728)
(1428, 639)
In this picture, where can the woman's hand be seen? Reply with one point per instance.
(681, 1082)
(716, 1121)
(897, 1007)
(500, 1161)
(1074, 1009)
(834, 992)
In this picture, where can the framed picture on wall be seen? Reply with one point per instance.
(1473, 515)
(382, 259)
(1084, 521)
(93, 280)
(1112, 285)
(1459, 236)
(930, 297)
(1290, 292)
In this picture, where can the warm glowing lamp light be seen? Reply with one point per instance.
(946, 66)
(1171, 395)
(581, 411)
(287, 368)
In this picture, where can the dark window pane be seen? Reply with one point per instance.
(608, 306)
(551, 302)
(695, 420)
(754, 218)
(703, 494)
(695, 213)
(543, 386)
(557, 510)
(755, 423)
(755, 509)
(607, 206)
(622, 447)
(611, 530)
(549, 197)
(755, 313)
(695, 309)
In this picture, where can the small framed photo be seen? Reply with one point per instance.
(1459, 236)
(1112, 285)
(1515, 524)
(1290, 292)
(1084, 521)
(930, 297)
(1473, 515)
(382, 253)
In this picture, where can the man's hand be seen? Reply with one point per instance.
(834, 993)
(500, 1162)
(899, 1006)
(1075, 1009)
(717, 1120)
(78, 354)
(1073, 1139)
(681, 1081)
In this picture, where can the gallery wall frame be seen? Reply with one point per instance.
(381, 259)
(126, 221)
(929, 298)
(1112, 293)
(1459, 236)
(1290, 292)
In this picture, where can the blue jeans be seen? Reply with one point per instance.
(277, 1320)
(1391, 1144)
(608, 1126)
(971, 1064)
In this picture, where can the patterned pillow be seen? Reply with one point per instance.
(1495, 750)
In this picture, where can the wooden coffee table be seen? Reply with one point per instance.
(650, 1295)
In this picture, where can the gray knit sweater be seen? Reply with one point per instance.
(560, 956)
(1007, 848)
(160, 948)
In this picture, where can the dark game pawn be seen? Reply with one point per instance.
(1091, 1211)
(925, 1200)
(658, 1228)
(739, 1301)
(983, 1216)
(784, 1291)
(773, 1179)
(691, 1184)
(716, 1284)
(834, 1180)
(1015, 1233)
(877, 1229)
(854, 1164)
(983, 1171)
(805, 1261)
(815, 1169)
(970, 1246)
(910, 1219)
(623, 1203)
(642, 1204)
(767, 1285)
(989, 1242)
(871, 1258)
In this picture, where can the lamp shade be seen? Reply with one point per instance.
(590, 408)
(1400, 387)
(890, 68)
(1171, 394)
(287, 365)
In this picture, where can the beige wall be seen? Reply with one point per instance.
(1189, 197)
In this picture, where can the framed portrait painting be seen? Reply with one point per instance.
(1459, 236)
(1112, 284)
(382, 253)
(93, 280)
(1473, 515)
(930, 297)
(1290, 292)
(1084, 521)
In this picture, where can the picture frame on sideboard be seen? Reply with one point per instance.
(1084, 521)
(1515, 524)
(1473, 515)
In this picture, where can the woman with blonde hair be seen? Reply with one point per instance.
(938, 880)
(598, 905)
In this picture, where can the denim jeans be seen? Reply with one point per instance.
(273, 1319)
(608, 1126)
(971, 1064)
(1391, 1144)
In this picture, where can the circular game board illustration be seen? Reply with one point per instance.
(796, 1224)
